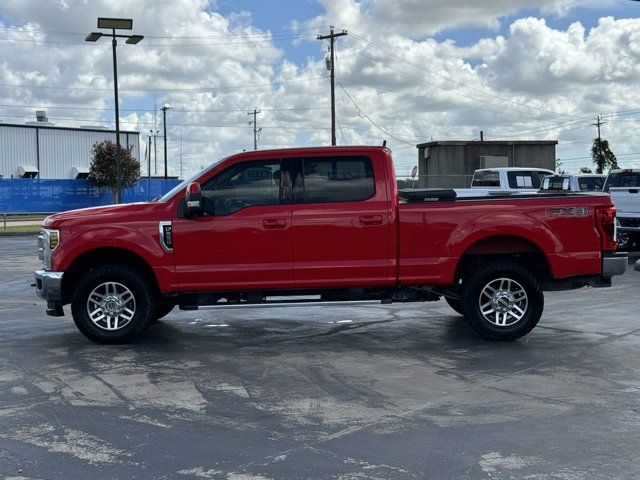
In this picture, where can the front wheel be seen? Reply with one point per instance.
(162, 310)
(502, 301)
(112, 304)
(623, 241)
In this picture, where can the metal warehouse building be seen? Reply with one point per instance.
(42, 150)
(452, 163)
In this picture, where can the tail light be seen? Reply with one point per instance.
(606, 223)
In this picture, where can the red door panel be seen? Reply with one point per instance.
(250, 249)
(333, 247)
(343, 242)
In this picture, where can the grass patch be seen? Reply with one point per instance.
(20, 228)
(23, 216)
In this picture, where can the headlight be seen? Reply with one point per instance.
(48, 241)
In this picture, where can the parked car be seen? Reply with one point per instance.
(506, 180)
(624, 187)
(330, 224)
(584, 182)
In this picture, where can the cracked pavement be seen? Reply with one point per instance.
(366, 391)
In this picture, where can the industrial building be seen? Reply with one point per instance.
(42, 150)
(451, 164)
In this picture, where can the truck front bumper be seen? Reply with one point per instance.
(49, 288)
(614, 264)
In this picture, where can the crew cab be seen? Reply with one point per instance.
(624, 187)
(322, 224)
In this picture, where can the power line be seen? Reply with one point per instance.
(309, 127)
(198, 89)
(82, 34)
(148, 45)
(68, 107)
(371, 120)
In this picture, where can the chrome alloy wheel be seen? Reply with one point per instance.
(111, 306)
(503, 302)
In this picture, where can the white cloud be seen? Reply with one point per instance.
(420, 18)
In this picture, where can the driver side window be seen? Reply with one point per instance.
(243, 185)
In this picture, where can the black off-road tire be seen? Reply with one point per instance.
(456, 305)
(142, 292)
(624, 241)
(473, 286)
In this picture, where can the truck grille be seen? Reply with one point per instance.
(629, 222)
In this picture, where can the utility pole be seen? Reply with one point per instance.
(256, 130)
(332, 38)
(598, 124)
(155, 150)
(164, 123)
(149, 156)
(180, 177)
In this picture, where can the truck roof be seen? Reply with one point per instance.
(515, 169)
(315, 149)
(625, 170)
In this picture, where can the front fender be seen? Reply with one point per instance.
(142, 240)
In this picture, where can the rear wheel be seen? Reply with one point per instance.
(502, 301)
(112, 304)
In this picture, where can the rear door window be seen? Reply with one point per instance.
(337, 179)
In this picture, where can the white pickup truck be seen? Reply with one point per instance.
(624, 187)
(504, 181)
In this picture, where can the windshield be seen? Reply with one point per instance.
(167, 196)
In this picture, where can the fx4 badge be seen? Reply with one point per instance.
(567, 212)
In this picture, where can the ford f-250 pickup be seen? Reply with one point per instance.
(327, 224)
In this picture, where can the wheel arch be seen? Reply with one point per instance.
(514, 248)
(104, 256)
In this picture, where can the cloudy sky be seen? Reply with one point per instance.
(407, 72)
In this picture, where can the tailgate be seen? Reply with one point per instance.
(626, 200)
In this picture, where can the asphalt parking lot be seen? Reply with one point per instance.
(385, 392)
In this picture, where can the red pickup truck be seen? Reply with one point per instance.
(326, 224)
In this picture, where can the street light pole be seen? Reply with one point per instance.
(114, 24)
(114, 44)
(164, 123)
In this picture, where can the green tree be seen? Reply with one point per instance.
(560, 166)
(103, 169)
(602, 155)
(585, 170)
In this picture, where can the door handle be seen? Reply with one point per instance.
(371, 219)
(274, 223)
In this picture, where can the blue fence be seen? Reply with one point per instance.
(21, 195)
